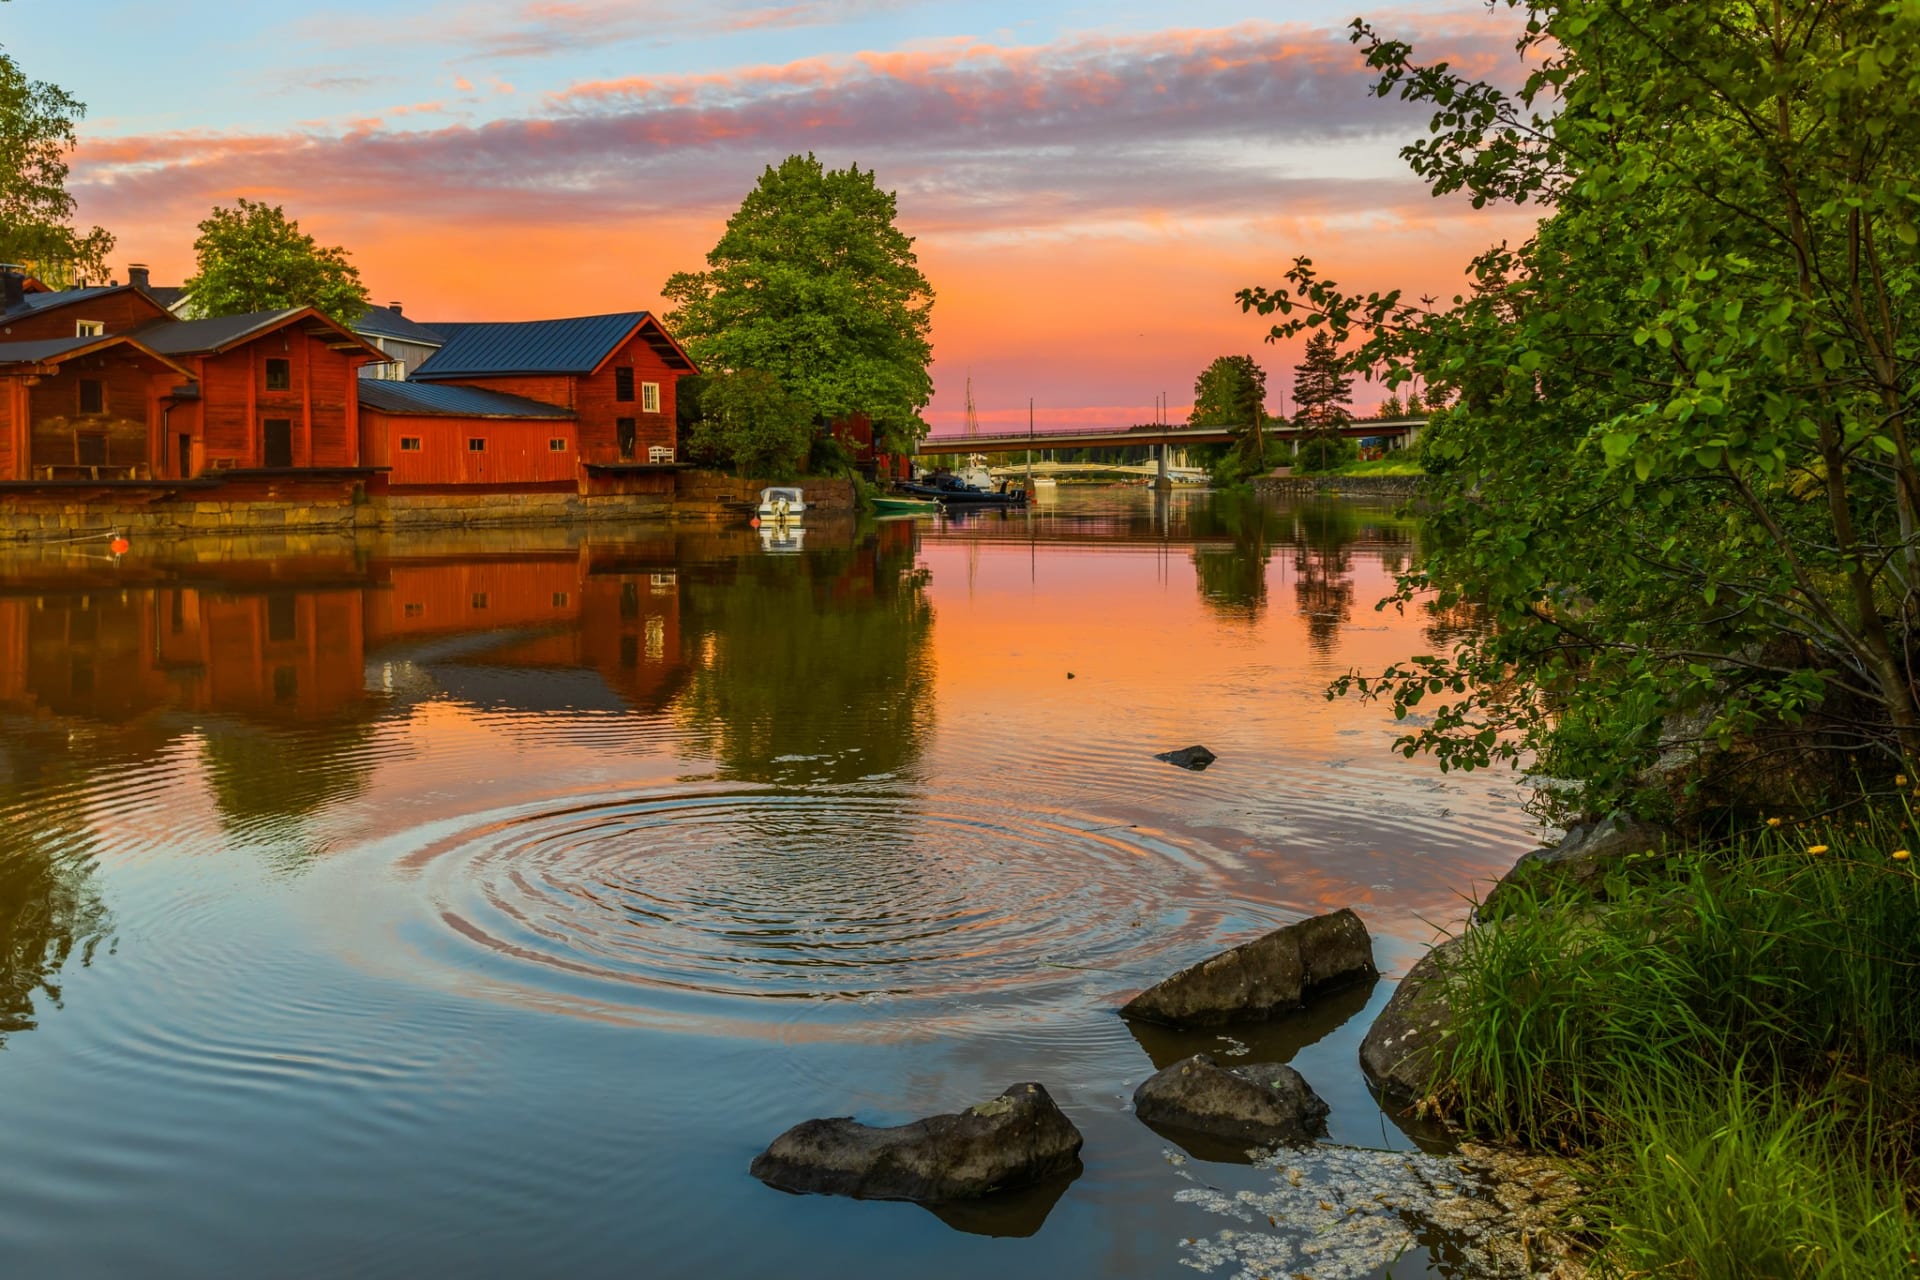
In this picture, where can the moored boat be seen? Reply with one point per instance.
(779, 502)
(902, 505)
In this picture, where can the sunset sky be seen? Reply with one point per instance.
(1088, 185)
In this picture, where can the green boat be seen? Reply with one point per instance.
(893, 506)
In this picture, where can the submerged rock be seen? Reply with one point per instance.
(1397, 1053)
(1195, 758)
(1256, 1102)
(1266, 978)
(1581, 859)
(1014, 1140)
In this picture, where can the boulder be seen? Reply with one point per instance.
(1582, 860)
(1397, 1053)
(1014, 1140)
(1195, 758)
(1260, 1102)
(1267, 978)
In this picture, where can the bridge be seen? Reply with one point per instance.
(1401, 431)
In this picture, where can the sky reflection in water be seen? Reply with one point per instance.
(482, 905)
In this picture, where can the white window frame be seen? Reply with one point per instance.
(90, 329)
(649, 397)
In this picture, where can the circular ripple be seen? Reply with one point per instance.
(769, 896)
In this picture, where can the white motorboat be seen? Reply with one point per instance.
(782, 503)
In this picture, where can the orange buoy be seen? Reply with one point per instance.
(119, 546)
(754, 523)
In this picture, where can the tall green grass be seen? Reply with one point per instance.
(1732, 1041)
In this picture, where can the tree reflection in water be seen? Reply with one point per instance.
(1233, 580)
(810, 668)
(51, 912)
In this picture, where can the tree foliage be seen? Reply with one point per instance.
(749, 422)
(1322, 387)
(37, 122)
(253, 257)
(1230, 392)
(813, 284)
(1677, 460)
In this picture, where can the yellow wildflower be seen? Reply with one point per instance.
(1901, 855)
(1773, 822)
(1899, 779)
(1816, 848)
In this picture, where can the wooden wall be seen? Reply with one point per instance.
(131, 385)
(322, 402)
(518, 451)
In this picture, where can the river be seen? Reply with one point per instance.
(481, 905)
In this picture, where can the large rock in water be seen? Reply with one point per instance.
(1266, 978)
(1581, 860)
(1397, 1053)
(1013, 1140)
(1260, 1102)
(1196, 758)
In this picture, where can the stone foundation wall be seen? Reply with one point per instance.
(701, 495)
(1352, 486)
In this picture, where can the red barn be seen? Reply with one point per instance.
(615, 374)
(443, 437)
(84, 408)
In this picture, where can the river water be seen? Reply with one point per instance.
(480, 906)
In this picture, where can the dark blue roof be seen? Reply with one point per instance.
(59, 298)
(47, 349)
(385, 322)
(574, 346)
(200, 337)
(445, 400)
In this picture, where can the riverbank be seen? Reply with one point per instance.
(341, 505)
(1746, 1088)
(1335, 484)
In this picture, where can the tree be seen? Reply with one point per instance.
(36, 211)
(1678, 456)
(1232, 392)
(749, 422)
(253, 257)
(1391, 408)
(813, 284)
(1322, 387)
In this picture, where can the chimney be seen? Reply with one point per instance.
(394, 307)
(137, 276)
(13, 286)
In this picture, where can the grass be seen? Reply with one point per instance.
(1732, 1045)
(1391, 465)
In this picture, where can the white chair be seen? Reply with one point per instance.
(659, 453)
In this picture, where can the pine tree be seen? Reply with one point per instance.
(1322, 389)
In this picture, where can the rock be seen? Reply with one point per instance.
(1014, 1140)
(1195, 758)
(1582, 859)
(1397, 1053)
(1266, 978)
(1259, 1102)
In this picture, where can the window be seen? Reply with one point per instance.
(479, 599)
(477, 444)
(559, 599)
(623, 384)
(93, 396)
(557, 445)
(414, 610)
(279, 375)
(626, 430)
(90, 329)
(649, 397)
(409, 444)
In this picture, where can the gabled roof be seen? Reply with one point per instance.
(576, 346)
(429, 399)
(223, 333)
(34, 303)
(385, 322)
(56, 350)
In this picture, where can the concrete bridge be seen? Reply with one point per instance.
(1399, 431)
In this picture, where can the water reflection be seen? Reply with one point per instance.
(663, 832)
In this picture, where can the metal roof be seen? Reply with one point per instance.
(46, 349)
(431, 399)
(199, 337)
(385, 322)
(58, 298)
(572, 346)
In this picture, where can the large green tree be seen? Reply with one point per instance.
(253, 257)
(1678, 458)
(1232, 392)
(1322, 387)
(37, 122)
(749, 422)
(814, 284)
